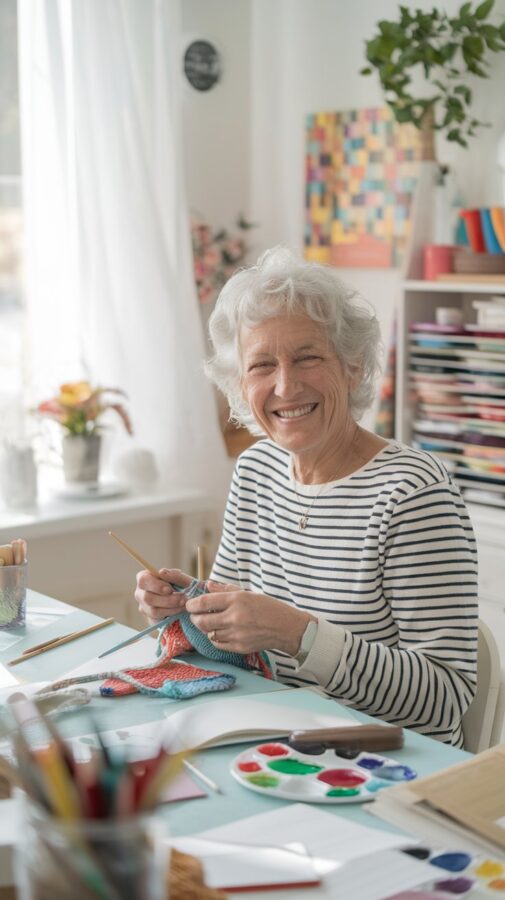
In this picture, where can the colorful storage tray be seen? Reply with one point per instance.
(278, 771)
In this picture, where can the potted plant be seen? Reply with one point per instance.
(78, 408)
(447, 51)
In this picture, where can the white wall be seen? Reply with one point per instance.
(284, 59)
(217, 137)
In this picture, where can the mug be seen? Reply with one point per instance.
(437, 260)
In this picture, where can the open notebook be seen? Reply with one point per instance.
(211, 724)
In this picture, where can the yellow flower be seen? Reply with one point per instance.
(75, 393)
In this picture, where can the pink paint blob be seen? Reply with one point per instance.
(272, 750)
(249, 767)
(342, 777)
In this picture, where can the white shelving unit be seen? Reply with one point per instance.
(418, 302)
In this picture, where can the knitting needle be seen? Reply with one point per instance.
(140, 634)
(59, 641)
(201, 775)
(47, 643)
(200, 564)
(145, 565)
(136, 556)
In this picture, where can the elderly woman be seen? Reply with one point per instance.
(350, 559)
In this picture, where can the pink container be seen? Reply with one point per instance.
(437, 260)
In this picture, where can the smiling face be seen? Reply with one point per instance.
(296, 387)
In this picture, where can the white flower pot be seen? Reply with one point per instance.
(81, 457)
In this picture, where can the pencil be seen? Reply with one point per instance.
(201, 775)
(63, 640)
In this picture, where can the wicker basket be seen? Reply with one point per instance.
(466, 262)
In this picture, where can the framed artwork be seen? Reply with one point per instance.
(360, 176)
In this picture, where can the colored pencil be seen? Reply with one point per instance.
(59, 641)
(201, 775)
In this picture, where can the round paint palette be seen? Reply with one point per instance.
(456, 874)
(277, 770)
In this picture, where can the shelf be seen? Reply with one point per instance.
(455, 287)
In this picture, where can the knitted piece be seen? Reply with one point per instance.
(165, 678)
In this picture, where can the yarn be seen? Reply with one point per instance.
(177, 680)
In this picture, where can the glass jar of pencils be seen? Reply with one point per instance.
(91, 859)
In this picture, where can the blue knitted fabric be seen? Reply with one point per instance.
(201, 642)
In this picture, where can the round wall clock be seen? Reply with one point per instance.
(202, 65)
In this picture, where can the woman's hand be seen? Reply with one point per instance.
(156, 597)
(244, 622)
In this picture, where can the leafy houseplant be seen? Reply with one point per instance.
(447, 51)
(78, 408)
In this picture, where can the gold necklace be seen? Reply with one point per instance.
(304, 518)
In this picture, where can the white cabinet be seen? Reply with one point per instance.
(418, 303)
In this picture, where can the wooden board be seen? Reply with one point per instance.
(473, 278)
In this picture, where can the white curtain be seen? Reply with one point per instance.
(108, 255)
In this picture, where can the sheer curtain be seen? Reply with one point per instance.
(108, 255)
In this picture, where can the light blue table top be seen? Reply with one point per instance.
(421, 753)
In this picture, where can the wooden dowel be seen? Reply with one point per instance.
(60, 641)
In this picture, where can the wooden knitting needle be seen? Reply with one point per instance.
(60, 641)
(200, 564)
(46, 643)
(136, 556)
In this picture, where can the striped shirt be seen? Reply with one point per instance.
(388, 565)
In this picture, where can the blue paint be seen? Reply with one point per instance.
(451, 862)
(398, 773)
(370, 762)
(376, 785)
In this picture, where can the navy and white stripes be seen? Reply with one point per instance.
(387, 563)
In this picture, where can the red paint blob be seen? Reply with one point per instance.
(272, 750)
(342, 777)
(249, 767)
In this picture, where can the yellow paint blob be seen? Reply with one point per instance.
(489, 869)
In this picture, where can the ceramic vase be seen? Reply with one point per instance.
(81, 458)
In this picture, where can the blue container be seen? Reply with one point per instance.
(490, 239)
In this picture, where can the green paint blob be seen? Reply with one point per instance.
(263, 780)
(342, 792)
(293, 767)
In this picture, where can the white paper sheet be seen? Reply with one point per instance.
(352, 860)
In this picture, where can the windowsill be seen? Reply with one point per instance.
(54, 515)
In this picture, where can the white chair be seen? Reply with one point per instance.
(483, 720)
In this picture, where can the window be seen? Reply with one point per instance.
(11, 303)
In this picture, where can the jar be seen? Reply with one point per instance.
(106, 859)
(13, 595)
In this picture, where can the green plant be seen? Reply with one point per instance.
(447, 51)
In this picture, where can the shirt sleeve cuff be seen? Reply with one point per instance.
(324, 655)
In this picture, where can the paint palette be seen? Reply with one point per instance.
(277, 770)
(457, 874)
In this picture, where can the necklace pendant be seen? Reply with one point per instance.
(303, 522)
